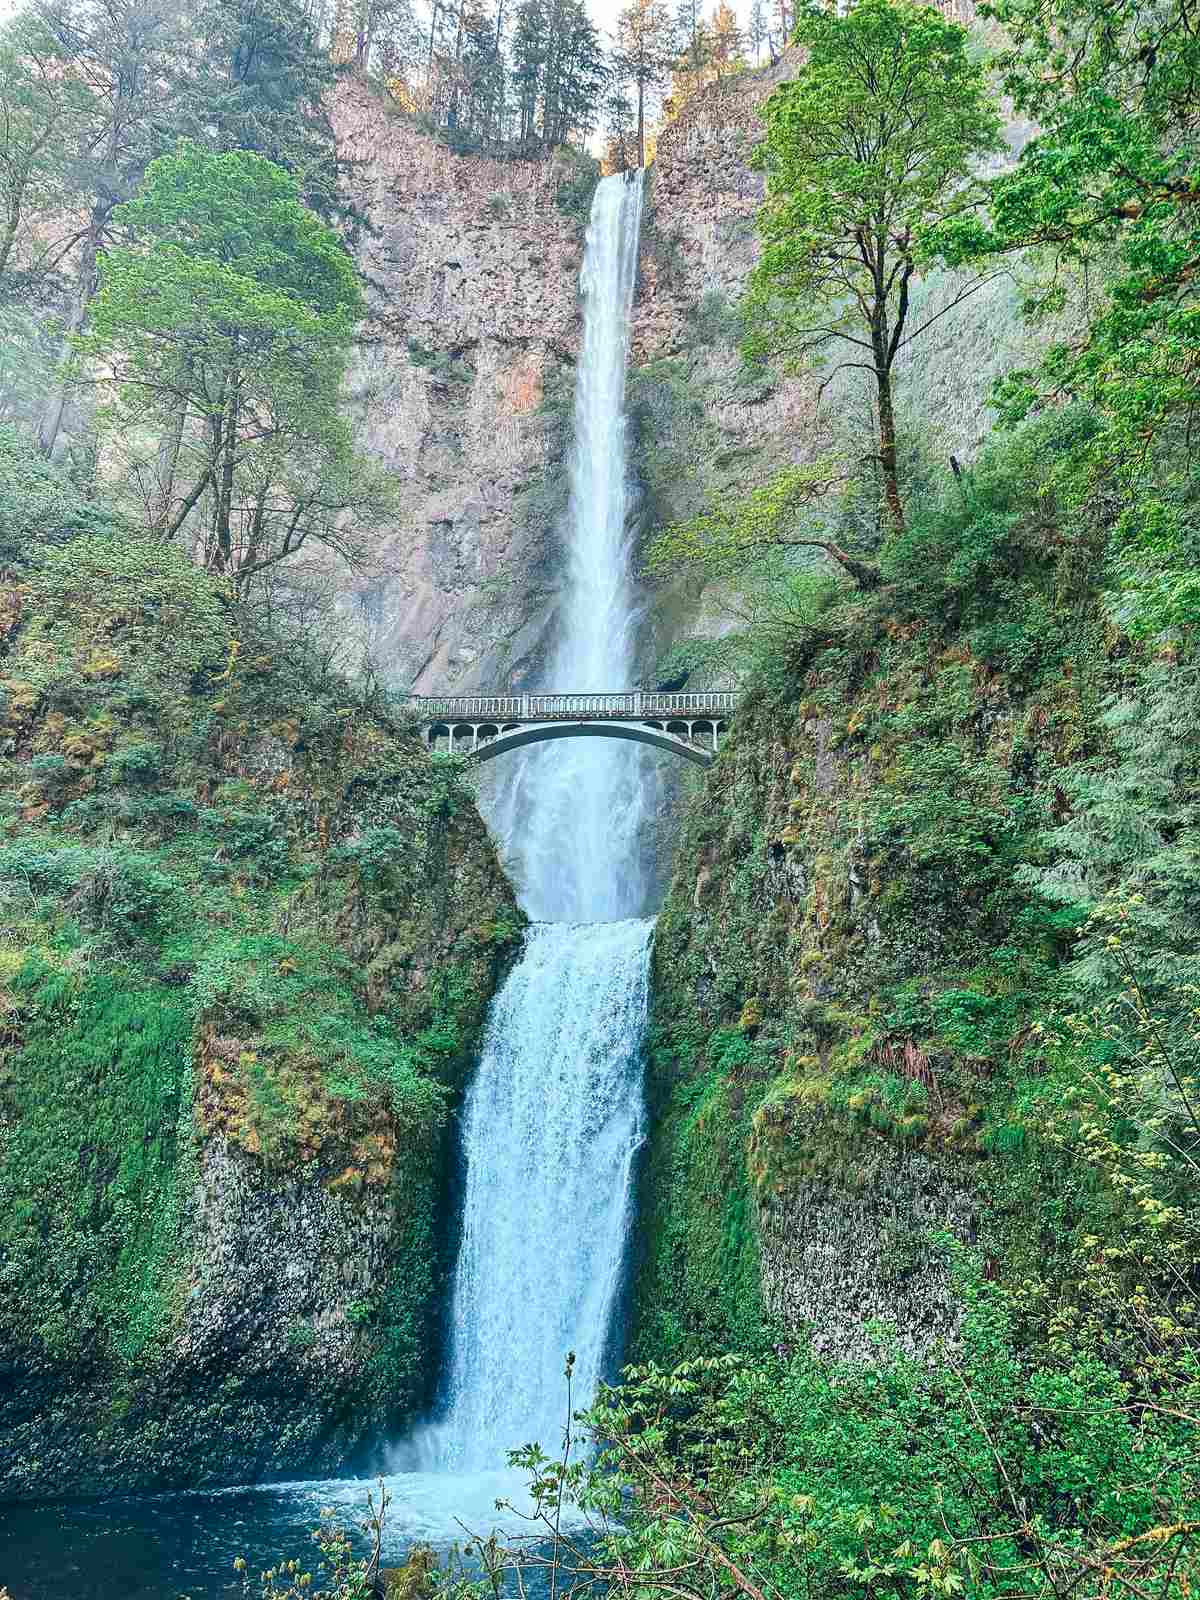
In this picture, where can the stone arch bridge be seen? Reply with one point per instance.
(483, 726)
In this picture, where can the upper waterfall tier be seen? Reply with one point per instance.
(572, 820)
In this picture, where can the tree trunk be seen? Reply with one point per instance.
(168, 461)
(11, 228)
(224, 526)
(887, 446)
(88, 280)
(85, 291)
(641, 122)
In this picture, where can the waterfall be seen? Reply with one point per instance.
(553, 1118)
(552, 1125)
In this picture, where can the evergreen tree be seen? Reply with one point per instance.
(758, 32)
(260, 81)
(129, 56)
(646, 47)
(620, 151)
(689, 71)
(559, 71)
(725, 42)
(393, 39)
(45, 117)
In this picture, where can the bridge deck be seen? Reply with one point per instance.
(637, 705)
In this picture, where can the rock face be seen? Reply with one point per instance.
(706, 428)
(776, 1190)
(463, 386)
(837, 1055)
(834, 1263)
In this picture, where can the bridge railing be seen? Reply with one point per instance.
(637, 704)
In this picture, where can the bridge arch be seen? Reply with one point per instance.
(515, 738)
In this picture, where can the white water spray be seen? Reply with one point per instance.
(552, 1125)
(554, 1117)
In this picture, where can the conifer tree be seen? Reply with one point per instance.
(758, 32)
(646, 47)
(129, 56)
(259, 80)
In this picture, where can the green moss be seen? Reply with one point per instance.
(98, 1106)
(872, 831)
(697, 1285)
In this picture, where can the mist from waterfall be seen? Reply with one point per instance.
(553, 1119)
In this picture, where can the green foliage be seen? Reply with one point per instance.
(698, 1283)
(47, 113)
(714, 320)
(1104, 194)
(725, 539)
(868, 149)
(1111, 171)
(237, 905)
(980, 555)
(573, 194)
(260, 81)
(39, 509)
(226, 319)
(901, 1480)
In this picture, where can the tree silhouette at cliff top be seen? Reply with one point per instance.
(874, 144)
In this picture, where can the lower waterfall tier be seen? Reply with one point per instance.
(551, 1127)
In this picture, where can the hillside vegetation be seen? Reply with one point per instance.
(250, 931)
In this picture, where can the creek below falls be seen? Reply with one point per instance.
(551, 1123)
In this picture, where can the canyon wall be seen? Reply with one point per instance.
(464, 375)
(462, 387)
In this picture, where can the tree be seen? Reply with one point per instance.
(725, 42)
(1109, 182)
(226, 316)
(127, 56)
(785, 18)
(259, 79)
(620, 149)
(559, 71)
(44, 116)
(871, 147)
(690, 36)
(724, 540)
(646, 47)
(758, 33)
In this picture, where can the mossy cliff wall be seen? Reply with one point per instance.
(250, 933)
(848, 964)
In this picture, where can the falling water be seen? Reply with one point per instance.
(551, 1128)
(553, 1119)
(570, 814)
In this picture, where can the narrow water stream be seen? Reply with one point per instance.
(552, 1121)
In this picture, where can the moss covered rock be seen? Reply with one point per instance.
(850, 960)
(250, 934)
